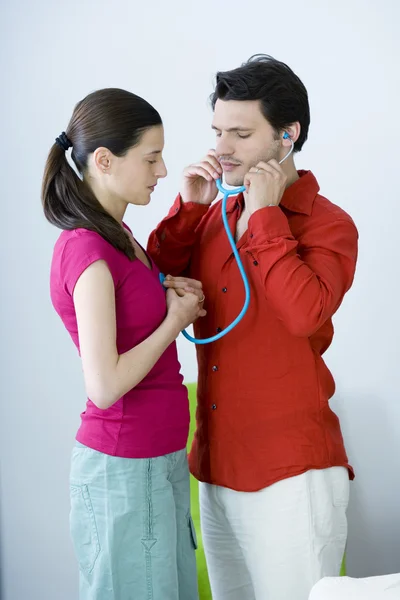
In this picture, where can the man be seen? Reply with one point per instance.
(268, 449)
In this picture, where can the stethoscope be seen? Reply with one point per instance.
(226, 193)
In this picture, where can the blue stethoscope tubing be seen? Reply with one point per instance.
(226, 193)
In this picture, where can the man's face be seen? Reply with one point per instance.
(244, 138)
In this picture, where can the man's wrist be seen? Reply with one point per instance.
(192, 201)
(257, 208)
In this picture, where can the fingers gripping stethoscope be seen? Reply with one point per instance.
(226, 193)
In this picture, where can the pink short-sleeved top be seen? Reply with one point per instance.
(152, 419)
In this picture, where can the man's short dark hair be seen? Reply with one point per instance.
(282, 95)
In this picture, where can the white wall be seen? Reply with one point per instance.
(54, 53)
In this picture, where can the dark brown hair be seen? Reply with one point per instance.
(115, 119)
(282, 95)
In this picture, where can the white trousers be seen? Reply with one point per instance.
(277, 543)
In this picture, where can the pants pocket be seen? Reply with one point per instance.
(193, 534)
(83, 528)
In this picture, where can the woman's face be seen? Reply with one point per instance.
(133, 177)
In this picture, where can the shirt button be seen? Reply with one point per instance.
(224, 290)
(215, 368)
(251, 235)
(214, 406)
(219, 329)
(255, 263)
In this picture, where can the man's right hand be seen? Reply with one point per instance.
(199, 180)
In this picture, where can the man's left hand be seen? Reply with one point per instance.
(265, 184)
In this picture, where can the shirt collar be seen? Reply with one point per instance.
(299, 197)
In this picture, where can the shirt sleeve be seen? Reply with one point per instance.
(305, 281)
(80, 252)
(171, 244)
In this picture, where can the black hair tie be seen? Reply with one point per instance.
(63, 141)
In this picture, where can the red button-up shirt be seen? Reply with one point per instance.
(263, 390)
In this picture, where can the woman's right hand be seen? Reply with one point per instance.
(199, 180)
(183, 310)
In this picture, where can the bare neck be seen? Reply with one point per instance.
(113, 205)
(289, 168)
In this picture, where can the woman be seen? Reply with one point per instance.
(130, 510)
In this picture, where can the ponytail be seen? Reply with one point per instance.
(69, 203)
